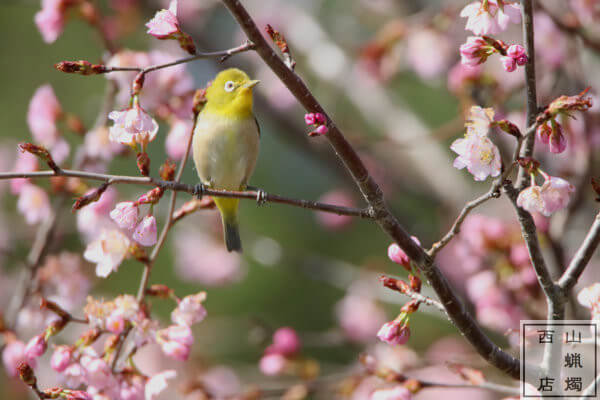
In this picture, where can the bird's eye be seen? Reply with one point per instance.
(229, 86)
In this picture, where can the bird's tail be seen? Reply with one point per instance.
(229, 210)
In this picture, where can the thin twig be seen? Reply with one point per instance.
(372, 193)
(192, 189)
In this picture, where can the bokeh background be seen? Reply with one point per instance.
(380, 68)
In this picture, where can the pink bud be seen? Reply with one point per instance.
(285, 342)
(77, 395)
(125, 214)
(543, 133)
(394, 333)
(61, 358)
(558, 141)
(272, 364)
(320, 118)
(176, 341)
(310, 119)
(397, 255)
(36, 347)
(145, 233)
(13, 355)
(515, 51)
(321, 130)
(508, 63)
(50, 20)
(164, 25)
(522, 60)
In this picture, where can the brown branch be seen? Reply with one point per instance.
(581, 258)
(192, 189)
(374, 197)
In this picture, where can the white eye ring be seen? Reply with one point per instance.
(229, 86)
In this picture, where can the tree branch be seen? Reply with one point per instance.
(572, 29)
(374, 197)
(581, 258)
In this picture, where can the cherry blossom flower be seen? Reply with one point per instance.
(132, 126)
(108, 251)
(33, 203)
(97, 144)
(36, 347)
(221, 382)
(478, 154)
(460, 75)
(530, 199)
(50, 20)
(395, 393)
(132, 388)
(428, 52)
(125, 214)
(394, 333)
(94, 218)
(555, 193)
(13, 355)
(165, 25)
(42, 114)
(490, 20)
(145, 233)
(178, 138)
(61, 358)
(96, 371)
(158, 383)
(479, 120)
(190, 310)
(517, 52)
(475, 51)
(272, 364)
(176, 341)
(115, 323)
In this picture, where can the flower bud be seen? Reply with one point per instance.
(143, 163)
(81, 67)
(26, 374)
(167, 170)
(36, 347)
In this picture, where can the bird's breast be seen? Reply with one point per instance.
(225, 150)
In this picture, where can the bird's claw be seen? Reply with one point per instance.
(199, 191)
(261, 197)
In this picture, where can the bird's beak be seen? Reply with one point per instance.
(250, 84)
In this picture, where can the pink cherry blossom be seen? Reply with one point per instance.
(13, 355)
(176, 341)
(50, 20)
(475, 51)
(96, 371)
(158, 383)
(190, 310)
(479, 155)
(555, 194)
(517, 52)
(397, 255)
(97, 144)
(133, 388)
(125, 214)
(164, 25)
(394, 333)
(77, 395)
(395, 393)
(145, 233)
(285, 342)
(33, 203)
(320, 130)
(493, 20)
(178, 138)
(530, 199)
(272, 364)
(36, 347)
(115, 323)
(508, 63)
(557, 142)
(360, 317)
(61, 358)
(310, 119)
(479, 120)
(107, 252)
(590, 296)
(42, 114)
(132, 126)
(94, 218)
(428, 52)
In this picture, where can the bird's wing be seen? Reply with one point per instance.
(257, 126)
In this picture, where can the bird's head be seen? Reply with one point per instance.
(231, 93)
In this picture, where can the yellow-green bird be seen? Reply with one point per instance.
(226, 141)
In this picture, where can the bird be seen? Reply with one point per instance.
(226, 144)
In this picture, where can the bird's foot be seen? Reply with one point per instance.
(199, 191)
(261, 197)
